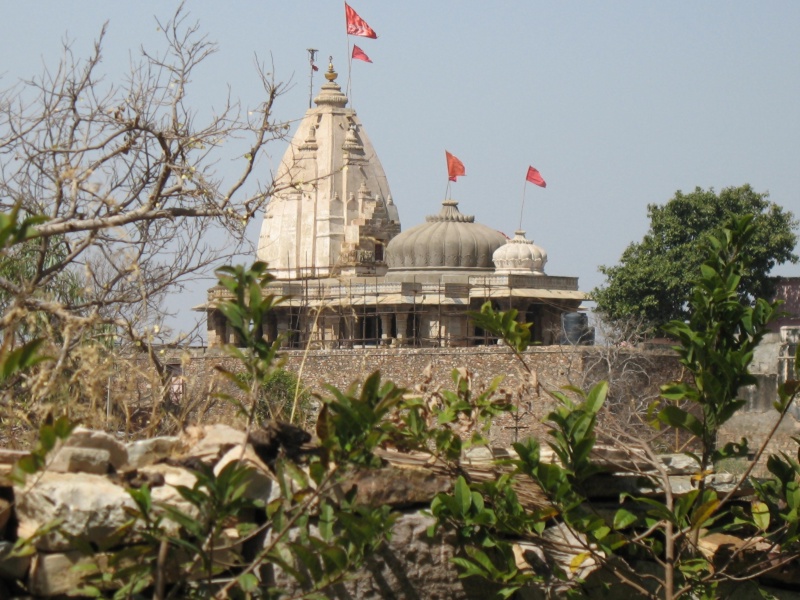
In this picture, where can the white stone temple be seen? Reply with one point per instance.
(331, 236)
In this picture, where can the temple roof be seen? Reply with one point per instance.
(332, 208)
(449, 240)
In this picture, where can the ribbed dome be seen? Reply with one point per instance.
(520, 255)
(449, 240)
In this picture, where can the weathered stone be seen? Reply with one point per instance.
(146, 452)
(89, 507)
(261, 484)
(70, 459)
(679, 464)
(208, 443)
(410, 566)
(5, 514)
(62, 573)
(9, 457)
(173, 477)
(563, 546)
(12, 567)
(88, 438)
(396, 487)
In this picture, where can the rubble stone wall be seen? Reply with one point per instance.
(554, 367)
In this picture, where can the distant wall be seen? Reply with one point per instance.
(554, 367)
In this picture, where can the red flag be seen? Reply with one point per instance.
(455, 167)
(359, 54)
(535, 177)
(356, 25)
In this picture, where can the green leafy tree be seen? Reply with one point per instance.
(654, 276)
(667, 530)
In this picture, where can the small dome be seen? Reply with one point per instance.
(449, 240)
(520, 255)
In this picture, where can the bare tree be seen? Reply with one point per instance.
(126, 176)
(634, 371)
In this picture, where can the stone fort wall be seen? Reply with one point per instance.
(553, 368)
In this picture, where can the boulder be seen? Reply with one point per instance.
(146, 452)
(69, 459)
(89, 507)
(261, 481)
(89, 438)
(411, 565)
(209, 443)
(62, 573)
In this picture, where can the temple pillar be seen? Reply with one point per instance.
(402, 324)
(386, 329)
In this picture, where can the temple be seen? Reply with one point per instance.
(332, 237)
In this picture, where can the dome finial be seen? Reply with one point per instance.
(331, 75)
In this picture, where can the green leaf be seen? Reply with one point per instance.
(761, 515)
(704, 512)
(463, 496)
(623, 519)
(248, 582)
(596, 398)
(677, 417)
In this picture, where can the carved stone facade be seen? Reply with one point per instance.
(331, 236)
(332, 213)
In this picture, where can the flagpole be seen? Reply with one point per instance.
(312, 55)
(447, 189)
(349, 71)
(522, 208)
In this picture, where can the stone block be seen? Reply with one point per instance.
(56, 574)
(261, 484)
(147, 452)
(69, 459)
(88, 506)
(409, 567)
(209, 443)
(12, 567)
(88, 438)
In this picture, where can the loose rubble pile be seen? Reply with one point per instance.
(84, 486)
(72, 509)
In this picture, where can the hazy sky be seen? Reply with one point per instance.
(617, 103)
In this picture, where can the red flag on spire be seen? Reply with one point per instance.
(455, 168)
(356, 25)
(359, 54)
(535, 177)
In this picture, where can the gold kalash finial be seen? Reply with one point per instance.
(331, 75)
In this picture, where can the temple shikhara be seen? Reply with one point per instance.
(332, 237)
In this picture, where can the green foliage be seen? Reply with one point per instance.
(352, 424)
(504, 323)
(13, 233)
(171, 540)
(318, 531)
(717, 343)
(246, 314)
(278, 391)
(652, 280)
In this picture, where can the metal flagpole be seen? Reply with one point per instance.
(521, 208)
(349, 71)
(312, 55)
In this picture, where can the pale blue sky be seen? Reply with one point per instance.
(617, 103)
